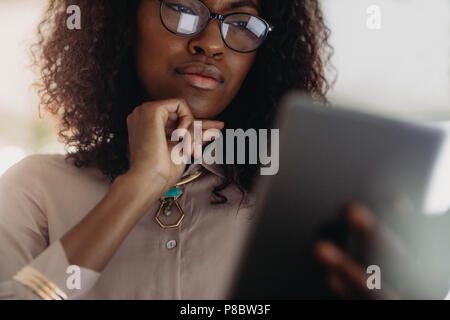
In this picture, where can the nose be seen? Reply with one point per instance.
(208, 42)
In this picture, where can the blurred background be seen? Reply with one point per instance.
(403, 68)
(21, 131)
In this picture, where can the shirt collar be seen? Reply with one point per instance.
(213, 168)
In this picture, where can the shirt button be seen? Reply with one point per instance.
(171, 244)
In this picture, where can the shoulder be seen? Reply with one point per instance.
(24, 170)
(46, 168)
(35, 163)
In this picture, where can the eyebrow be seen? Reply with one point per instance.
(245, 3)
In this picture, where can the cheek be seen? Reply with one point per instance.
(147, 24)
(149, 57)
(153, 48)
(240, 65)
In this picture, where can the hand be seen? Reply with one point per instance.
(345, 274)
(149, 129)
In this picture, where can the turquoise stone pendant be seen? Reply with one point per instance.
(167, 201)
(173, 193)
(170, 198)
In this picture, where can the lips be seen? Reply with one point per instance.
(201, 75)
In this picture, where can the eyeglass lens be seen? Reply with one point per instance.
(241, 31)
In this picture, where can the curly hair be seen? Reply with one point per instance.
(88, 78)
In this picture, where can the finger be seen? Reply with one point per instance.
(207, 136)
(377, 235)
(345, 290)
(196, 133)
(173, 109)
(199, 142)
(195, 141)
(361, 218)
(185, 117)
(173, 116)
(338, 285)
(172, 121)
(212, 124)
(211, 135)
(170, 128)
(335, 259)
(186, 138)
(171, 124)
(185, 121)
(188, 144)
(169, 132)
(351, 278)
(163, 111)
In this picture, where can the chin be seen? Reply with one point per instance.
(202, 109)
(201, 114)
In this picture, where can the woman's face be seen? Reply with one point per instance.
(167, 63)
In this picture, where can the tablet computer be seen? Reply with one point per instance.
(330, 155)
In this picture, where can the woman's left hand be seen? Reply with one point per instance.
(346, 276)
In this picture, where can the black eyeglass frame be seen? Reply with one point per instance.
(221, 18)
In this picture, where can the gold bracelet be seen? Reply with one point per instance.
(19, 277)
(38, 283)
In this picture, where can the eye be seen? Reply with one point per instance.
(180, 8)
(242, 25)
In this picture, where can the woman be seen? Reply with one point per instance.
(119, 86)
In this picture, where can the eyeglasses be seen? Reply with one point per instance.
(240, 31)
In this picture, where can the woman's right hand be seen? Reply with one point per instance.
(150, 127)
(95, 239)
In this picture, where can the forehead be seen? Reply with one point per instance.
(224, 5)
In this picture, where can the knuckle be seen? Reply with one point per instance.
(145, 107)
(182, 101)
(148, 109)
(129, 118)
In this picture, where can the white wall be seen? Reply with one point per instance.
(401, 68)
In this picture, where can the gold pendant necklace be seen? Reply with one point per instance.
(171, 197)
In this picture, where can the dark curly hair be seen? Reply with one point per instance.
(88, 78)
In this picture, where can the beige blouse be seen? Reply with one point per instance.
(44, 196)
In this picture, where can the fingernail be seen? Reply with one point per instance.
(327, 251)
(360, 215)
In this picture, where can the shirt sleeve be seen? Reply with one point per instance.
(31, 267)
